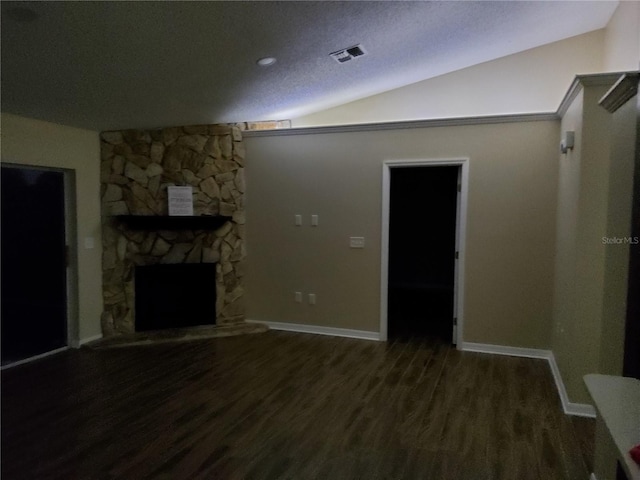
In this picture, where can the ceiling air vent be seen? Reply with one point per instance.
(346, 54)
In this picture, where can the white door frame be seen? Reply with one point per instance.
(461, 228)
(71, 232)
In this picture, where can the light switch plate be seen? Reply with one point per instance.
(298, 220)
(356, 242)
(312, 299)
(314, 220)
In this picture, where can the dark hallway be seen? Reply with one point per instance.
(422, 235)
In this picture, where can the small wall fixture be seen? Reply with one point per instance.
(266, 61)
(567, 141)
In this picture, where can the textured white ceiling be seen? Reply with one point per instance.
(113, 65)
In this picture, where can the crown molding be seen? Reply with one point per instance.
(581, 81)
(438, 122)
(624, 89)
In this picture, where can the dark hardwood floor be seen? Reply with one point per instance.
(282, 405)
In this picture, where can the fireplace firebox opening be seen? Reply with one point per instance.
(175, 296)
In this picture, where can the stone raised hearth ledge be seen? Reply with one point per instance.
(177, 335)
(136, 168)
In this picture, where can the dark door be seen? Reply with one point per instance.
(34, 316)
(422, 247)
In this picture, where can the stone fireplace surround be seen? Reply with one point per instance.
(136, 168)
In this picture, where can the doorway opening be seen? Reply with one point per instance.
(35, 256)
(424, 206)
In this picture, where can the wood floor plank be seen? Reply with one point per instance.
(281, 405)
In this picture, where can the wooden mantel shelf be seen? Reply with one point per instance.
(166, 222)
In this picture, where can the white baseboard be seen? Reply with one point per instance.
(504, 350)
(35, 357)
(89, 340)
(76, 344)
(318, 330)
(570, 408)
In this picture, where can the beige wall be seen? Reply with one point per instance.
(622, 38)
(510, 225)
(619, 207)
(595, 185)
(531, 81)
(565, 295)
(33, 142)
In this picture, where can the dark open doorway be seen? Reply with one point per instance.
(422, 251)
(34, 293)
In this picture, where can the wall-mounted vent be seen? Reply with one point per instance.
(346, 54)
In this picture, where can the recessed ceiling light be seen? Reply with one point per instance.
(266, 61)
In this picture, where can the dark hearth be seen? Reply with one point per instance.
(175, 296)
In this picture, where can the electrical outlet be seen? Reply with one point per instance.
(298, 219)
(298, 297)
(312, 299)
(314, 220)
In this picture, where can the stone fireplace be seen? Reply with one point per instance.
(137, 166)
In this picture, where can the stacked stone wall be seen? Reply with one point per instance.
(137, 167)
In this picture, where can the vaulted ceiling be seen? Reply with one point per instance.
(144, 64)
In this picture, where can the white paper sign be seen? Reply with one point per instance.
(180, 201)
